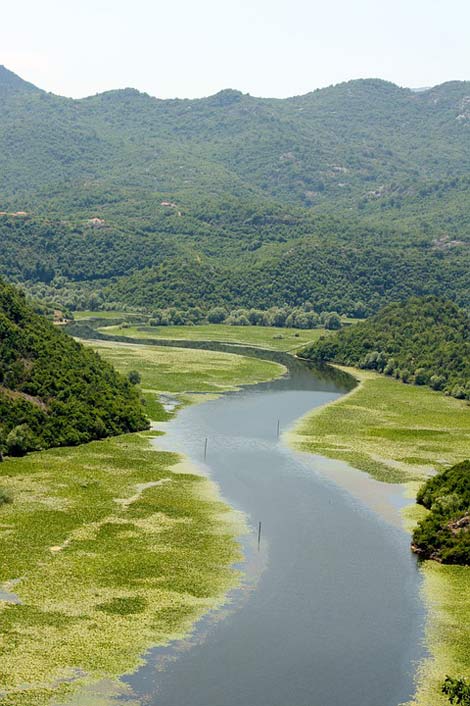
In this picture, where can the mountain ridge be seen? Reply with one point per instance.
(7, 76)
(363, 178)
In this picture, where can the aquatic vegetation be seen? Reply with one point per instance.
(117, 546)
(186, 370)
(395, 432)
(446, 592)
(279, 339)
(100, 580)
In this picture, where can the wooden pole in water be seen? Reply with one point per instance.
(205, 448)
(278, 428)
(259, 534)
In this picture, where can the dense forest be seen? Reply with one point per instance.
(423, 341)
(53, 390)
(444, 534)
(353, 140)
(341, 265)
(348, 197)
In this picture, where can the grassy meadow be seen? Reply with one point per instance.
(393, 431)
(279, 339)
(400, 433)
(109, 551)
(167, 369)
(85, 315)
(107, 546)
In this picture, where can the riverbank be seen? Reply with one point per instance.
(99, 535)
(185, 370)
(95, 539)
(400, 434)
(264, 337)
(394, 432)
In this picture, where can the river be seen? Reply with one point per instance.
(330, 612)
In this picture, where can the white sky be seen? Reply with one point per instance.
(193, 48)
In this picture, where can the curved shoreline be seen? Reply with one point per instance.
(289, 436)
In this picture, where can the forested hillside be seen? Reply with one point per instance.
(53, 391)
(425, 341)
(354, 194)
(348, 140)
(444, 534)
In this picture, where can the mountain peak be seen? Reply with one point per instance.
(226, 97)
(12, 83)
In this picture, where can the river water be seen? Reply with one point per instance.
(330, 613)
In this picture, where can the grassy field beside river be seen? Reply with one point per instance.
(183, 370)
(400, 433)
(395, 432)
(108, 547)
(109, 551)
(279, 339)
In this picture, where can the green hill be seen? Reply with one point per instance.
(443, 535)
(345, 141)
(53, 391)
(425, 341)
(358, 191)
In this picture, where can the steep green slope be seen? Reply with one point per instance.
(425, 341)
(53, 391)
(444, 534)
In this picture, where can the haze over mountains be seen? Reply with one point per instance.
(361, 187)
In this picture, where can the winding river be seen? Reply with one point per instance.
(330, 613)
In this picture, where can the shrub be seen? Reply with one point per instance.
(134, 377)
(5, 497)
(20, 440)
(458, 690)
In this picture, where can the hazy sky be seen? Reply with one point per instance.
(192, 48)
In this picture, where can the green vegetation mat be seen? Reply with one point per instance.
(111, 547)
(109, 550)
(279, 339)
(446, 592)
(186, 370)
(393, 431)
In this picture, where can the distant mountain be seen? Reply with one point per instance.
(363, 185)
(338, 143)
(11, 84)
(53, 391)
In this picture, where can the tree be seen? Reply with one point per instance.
(458, 691)
(278, 317)
(216, 315)
(257, 317)
(134, 377)
(332, 321)
(20, 440)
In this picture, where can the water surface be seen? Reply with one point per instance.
(334, 617)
